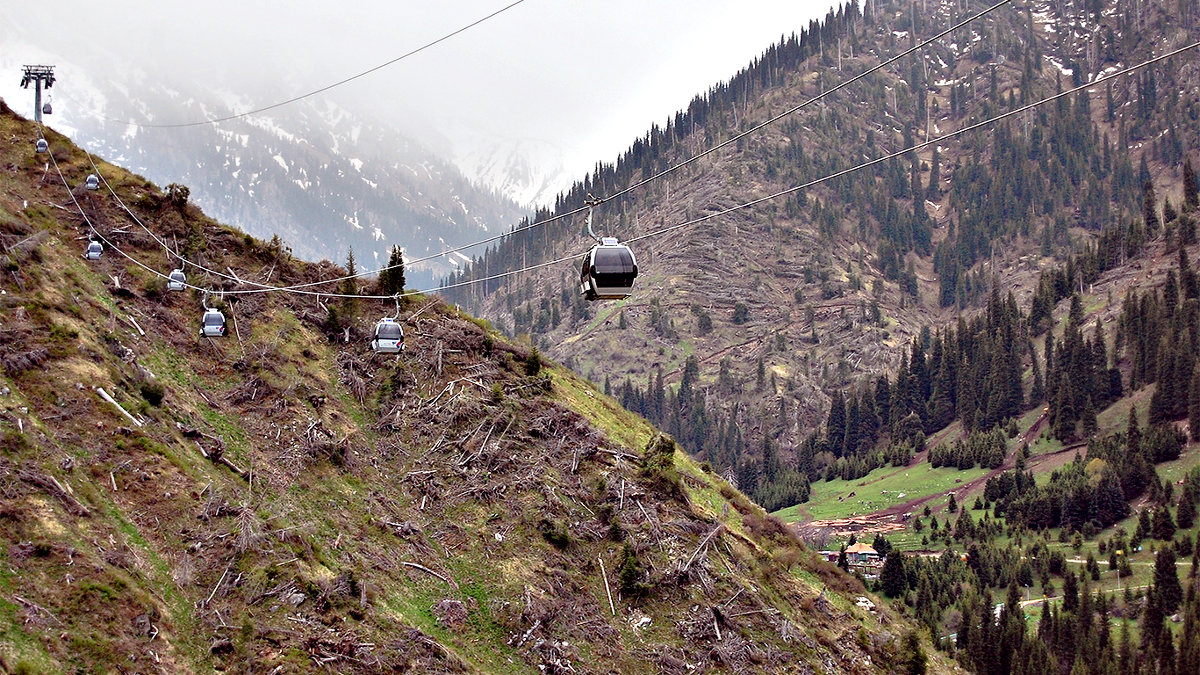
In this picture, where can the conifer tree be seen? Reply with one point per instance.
(1191, 189)
(1185, 515)
(892, 578)
(391, 279)
(935, 178)
(1166, 581)
(1162, 525)
(1149, 209)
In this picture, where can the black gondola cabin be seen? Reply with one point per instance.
(608, 271)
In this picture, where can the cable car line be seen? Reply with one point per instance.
(184, 261)
(694, 221)
(669, 170)
(327, 87)
(859, 167)
(643, 182)
(818, 97)
(93, 232)
(922, 145)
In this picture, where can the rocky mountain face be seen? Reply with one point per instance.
(282, 500)
(755, 318)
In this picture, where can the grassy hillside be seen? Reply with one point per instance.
(286, 502)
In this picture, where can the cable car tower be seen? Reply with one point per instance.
(37, 75)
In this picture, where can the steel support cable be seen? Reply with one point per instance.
(327, 87)
(269, 289)
(184, 261)
(919, 146)
(874, 69)
(95, 232)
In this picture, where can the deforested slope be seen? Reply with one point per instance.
(281, 500)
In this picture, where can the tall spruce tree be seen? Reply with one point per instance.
(391, 279)
(1191, 189)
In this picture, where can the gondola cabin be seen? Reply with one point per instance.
(608, 271)
(42, 145)
(47, 109)
(93, 250)
(212, 324)
(176, 281)
(92, 182)
(389, 337)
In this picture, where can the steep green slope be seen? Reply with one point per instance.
(286, 502)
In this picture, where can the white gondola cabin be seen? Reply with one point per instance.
(389, 337)
(608, 271)
(212, 324)
(92, 182)
(42, 145)
(93, 251)
(177, 280)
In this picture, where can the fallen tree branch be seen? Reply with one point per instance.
(104, 395)
(703, 543)
(604, 575)
(37, 608)
(426, 570)
(618, 453)
(220, 458)
(51, 485)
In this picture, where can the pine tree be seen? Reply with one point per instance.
(1169, 213)
(1162, 526)
(1185, 515)
(892, 578)
(1191, 190)
(935, 178)
(391, 278)
(1166, 581)
(1149, 209)
(835, 426)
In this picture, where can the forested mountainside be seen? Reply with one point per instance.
(985, 351)
(281, 500)
(749, 331)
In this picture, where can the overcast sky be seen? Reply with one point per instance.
(588, 76)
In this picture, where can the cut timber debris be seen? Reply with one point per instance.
(104, 395)
(428, 571)
(50, 484)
